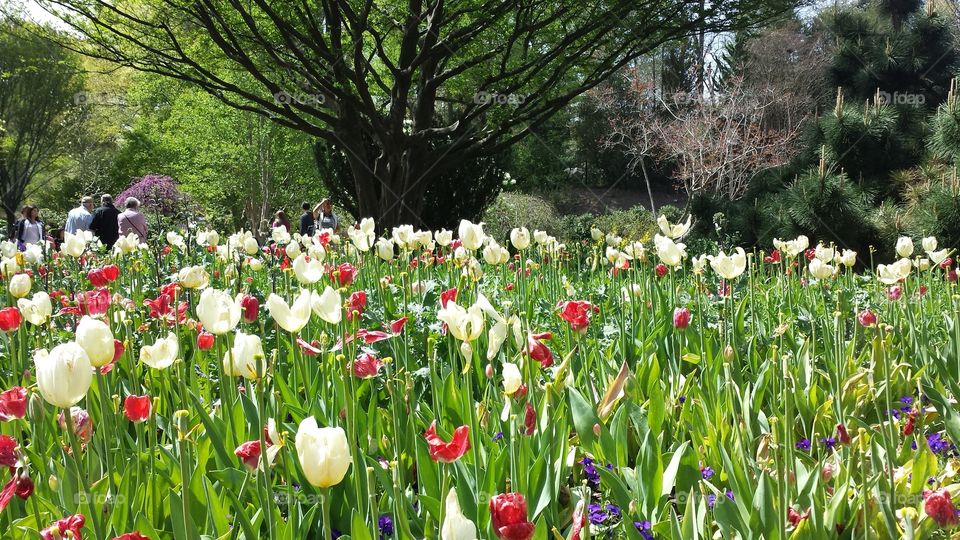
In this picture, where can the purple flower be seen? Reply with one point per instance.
(906, 400)
(729, 494)
(596, 514)
(803, 444)
(386, 526)
(706, 472)
(938, 444)
(156, 191)
(590, 471)
(497, 436)
(614, 511)
(711, 500)
(645, 529)
(829, 442)
(683, 399)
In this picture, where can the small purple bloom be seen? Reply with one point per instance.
(497, 436)
(829, 442)
(711, 500)
(906, 400)
(706, 472)
(596, 514)
(803, 444)
(386, 526)
(683, 399)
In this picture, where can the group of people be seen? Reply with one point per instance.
(312, 220)
(107, 223)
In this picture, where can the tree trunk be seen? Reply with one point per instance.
(646, 178)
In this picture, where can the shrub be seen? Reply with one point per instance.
(511, 209)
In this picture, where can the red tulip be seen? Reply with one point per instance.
(810, 254)
(946, 263)
(309, 349)
(447, 296)
(366, 366)
(578, 521)
(894, 293)
(356, 304)
(65, 526)
(8, 451)
(447, 452)
(251, 308)
(577, 314)
(911, 423)
(97, 278)
(135, 535)
(538, 351)
(867, 318)
(137, 408)
(397, 326)
(681, 318)
(529, 420)
(508, 513)
(842, 436)
(952, 276)
(205, 341)
(773, 257)
(10, 319)
(795, 517)
(23, 486)
(343, 275)
(111, 272)
(249, 454)
(660, 269)
(95, 302)
(13, 403)
(162, 308)
(939, 506)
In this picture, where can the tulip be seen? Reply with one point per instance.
(307, 270)
(397, 326)
(10, 319)
(938, 257)
(681, 318)
(530, 420)
(447, 452)
(291, 318)
(73, 245)
(366, 366)
(929, 243)
(245, 358)
(729, 267)
(218, 312)
(511, 378)
(137, 408)
(327, 305)
(893, 273)
(577, 314)
(848, 258)
(669, 252)
(356, 304)
(447, 296)
(280, 235)
(193, 277)
(671, 230)
(939, 506)
(250, 245)
(205, 341)
(162, 353)
(820, 269)
(792, 248)
(68, 527)
(456, 526)
(660, 270)
(20, 285)
(508, 514)
(385, 249)
(494, 254)
(443, 237)
(471, 235)
(127, 244)
(867, 318)
(538, 350)
(520, 238)
(96, 338)
(904, 246)
(13, 403)
(249, 308)
(464, 324)
(37, 310)
(63, 375)
(344, 275)
(324, 453)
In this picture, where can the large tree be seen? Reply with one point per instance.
(39, 84)
(406, 91)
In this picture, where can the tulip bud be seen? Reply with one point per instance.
(488, 371)
(728, 353)
(53, 482)
(681, 318)
(20, 285)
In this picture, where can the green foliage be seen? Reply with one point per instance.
(945, 131)
(937, 213)
(512, 209)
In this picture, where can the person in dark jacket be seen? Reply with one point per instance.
(105, 224)
(307, 220)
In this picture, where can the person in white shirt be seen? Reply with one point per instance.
(80, 217)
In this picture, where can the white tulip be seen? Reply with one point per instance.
(292, 250)
(162, 353)
(38, 310)
(669, 252)
(456, 526)
(904, 246)
(444, 237)
(176, 240)
(291, 318)
(245, 359)
(193, 277)
(328, 305)
(729, 267)
(929, 243)
(20, 285)
(464, 324)
(385, 249)
(73, 245)
(96, 339)
(471, 235)
(127, 244)
(63, 375)
(820, 269)
(892, 273)
(673, 231)
(33, 254)
(307, 269)
(824, 253)
(520, 238)
(250, 245)
(848, 258)
(280, 235)
(595, 233)
(324, 453)
(494, 254)
(938, 256)
(218, 311)
(511, 378)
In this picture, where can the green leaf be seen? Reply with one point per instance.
(584, 418)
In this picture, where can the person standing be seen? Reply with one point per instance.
(308, 222)
(326, 218)
(132, 221)
(280, 220)
(80, 217)
(105, 224)
(30, 230)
